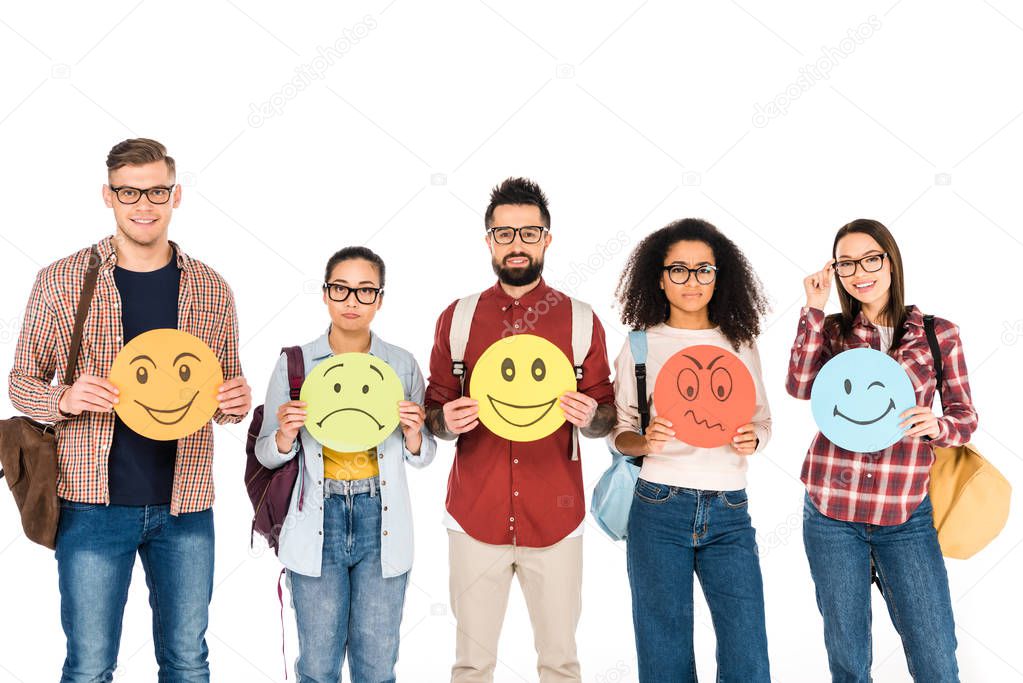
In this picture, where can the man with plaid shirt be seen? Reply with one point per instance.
(123, 494)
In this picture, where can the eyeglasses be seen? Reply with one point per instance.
(364, 295)
(160, 194)
(870, 264)
(529, 234)
(680, 274)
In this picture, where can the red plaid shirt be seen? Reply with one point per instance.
(205, 309)
(882, 488)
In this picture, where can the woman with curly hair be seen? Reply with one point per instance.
(687, 284)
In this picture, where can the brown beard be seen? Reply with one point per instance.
(517, 277)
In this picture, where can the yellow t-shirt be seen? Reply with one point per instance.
(350, 466)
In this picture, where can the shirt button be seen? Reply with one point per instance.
(511, 528)
(516, 493)
(385, 532)
(869, 475)
(383, 483)
(318, 481)
(515, 461)
(511, 519)
(516, 302)
(321, 533)
(385, 508)
(516, 325)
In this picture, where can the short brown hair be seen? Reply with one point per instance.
(138, 151)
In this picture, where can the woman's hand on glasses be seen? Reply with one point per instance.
(818, 286)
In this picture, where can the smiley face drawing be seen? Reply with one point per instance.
(518, 381)
(168, 381)
(706, 393)
(857, 398)
(352, 401)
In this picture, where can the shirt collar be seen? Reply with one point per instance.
(108, 254)
(502, 299)
(914, 318)
(321, 347)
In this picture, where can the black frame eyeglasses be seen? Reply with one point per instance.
(707, 271)
(508, 233)
(364, 295)
(123, 193)
(846, 264)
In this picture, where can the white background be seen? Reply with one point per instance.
(629, 115)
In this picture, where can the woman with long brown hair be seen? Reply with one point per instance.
(868, 515)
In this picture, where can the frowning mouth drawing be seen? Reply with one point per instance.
(354, 410)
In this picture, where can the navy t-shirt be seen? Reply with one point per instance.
(142, 469)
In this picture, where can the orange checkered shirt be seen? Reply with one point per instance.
(205, 309)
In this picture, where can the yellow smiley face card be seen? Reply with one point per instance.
(351, 401)
(168, 381)
(518, 381)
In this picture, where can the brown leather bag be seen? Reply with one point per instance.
(28, 449)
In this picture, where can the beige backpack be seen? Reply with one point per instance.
(970, 497)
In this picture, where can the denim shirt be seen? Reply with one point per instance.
(301, 540)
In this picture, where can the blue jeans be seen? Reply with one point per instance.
(96, 548)
(350, 608)
(913, 581)
(674, 532)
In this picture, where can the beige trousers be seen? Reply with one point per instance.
(551, 581)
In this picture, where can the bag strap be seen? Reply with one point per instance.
(582, 334)
(296, 370)
(296, 376)
(280, 601)
(638, 346)
(932, 341)
(84, 299)
(458, 337)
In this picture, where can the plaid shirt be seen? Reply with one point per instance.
(205, 309)
(885, 487)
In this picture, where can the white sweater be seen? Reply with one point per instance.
(679, 464)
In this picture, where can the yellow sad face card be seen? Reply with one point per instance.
(352, 401)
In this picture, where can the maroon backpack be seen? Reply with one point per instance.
(270, 490)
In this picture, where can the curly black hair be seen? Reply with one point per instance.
(738, 302)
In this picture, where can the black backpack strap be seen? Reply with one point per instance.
(932, 341)
(644, 407)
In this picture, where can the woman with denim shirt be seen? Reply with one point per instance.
(868, 514)
(348, 550)
(685, 285)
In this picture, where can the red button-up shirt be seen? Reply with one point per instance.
(884, 487)
(504, 492)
